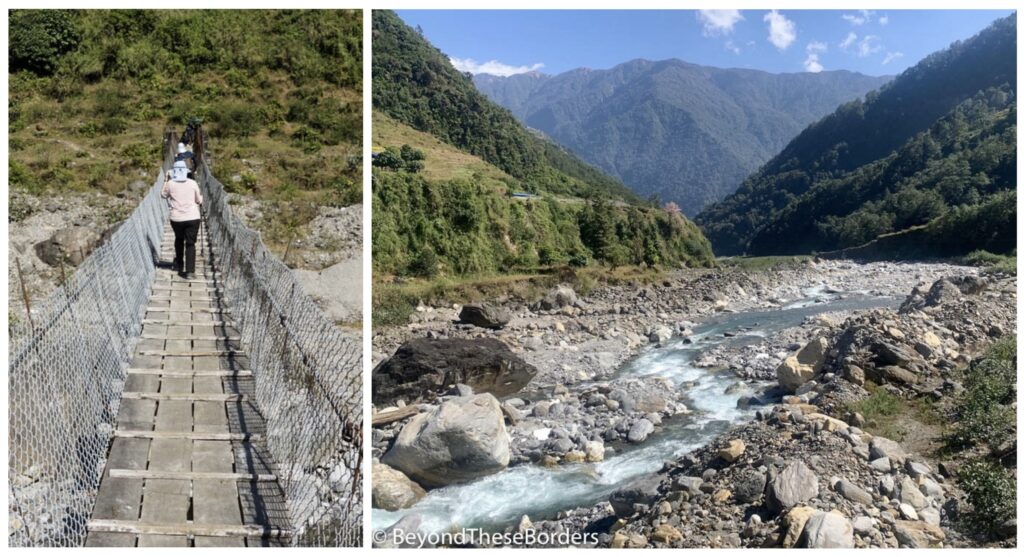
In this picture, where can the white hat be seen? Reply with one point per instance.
(179, 171)
(181, 147)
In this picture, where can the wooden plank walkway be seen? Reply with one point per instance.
(188, 465)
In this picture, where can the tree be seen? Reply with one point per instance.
(39, 38)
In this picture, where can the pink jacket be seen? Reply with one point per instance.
(184, 199)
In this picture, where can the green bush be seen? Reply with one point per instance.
(142, 154)
(21, 177)
(992, 494)
(236, 119)
(19, 209)
(39, 38)
(391, 307)
(985, 411)
(424, 263)
(404, 158)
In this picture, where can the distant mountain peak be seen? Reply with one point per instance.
(682, 131)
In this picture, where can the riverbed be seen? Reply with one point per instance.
(500, 500)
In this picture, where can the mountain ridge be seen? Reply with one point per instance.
(670, 128)
(862, 132)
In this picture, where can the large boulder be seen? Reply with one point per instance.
(828, 530)
(880, 447)
(461, 440)
(731, 452)
(640, 430)
(749, 486)
(796, 370)
(557, 298)
(643, 491)
(791, 374)
(393, 490)
(424, 365)
(813, 354)
(795, 484)
(853, 492)
(69, 245)
(917, 534)
(487, 316)
(793, 525)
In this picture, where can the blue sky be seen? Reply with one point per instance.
(872, 42)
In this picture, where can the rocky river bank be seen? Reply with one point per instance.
(570, 407)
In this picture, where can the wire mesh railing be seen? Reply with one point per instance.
(67, 370)
(308, 376)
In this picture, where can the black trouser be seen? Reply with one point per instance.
(185, 233)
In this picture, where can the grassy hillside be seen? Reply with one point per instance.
(91, 92)
(862, 132)
(442, 161)
(455, 217)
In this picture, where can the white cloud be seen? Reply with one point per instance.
(812, 64)
(848, 41)
(781, 31)
(860, 18)
(718, 22)
(492, 67)
(869, 45)
(890, 56)
(884, 20)
(731, 47)
(817, 46)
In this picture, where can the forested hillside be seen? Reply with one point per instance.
(443, 185)
(674, 130)
(964, 159)
(415, 84)
(938, 137)
(91, 92)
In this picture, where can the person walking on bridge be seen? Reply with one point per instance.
(185, 155)
(182, 194)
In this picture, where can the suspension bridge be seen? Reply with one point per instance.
(151, 410)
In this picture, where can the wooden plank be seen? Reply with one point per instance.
(190, 476)
(109, 539)
(214, 502)
(156, 309)
(194, 373)
(167, 501)
(193, 353)
(136, 412)
(183, 337)
(185, 323)
(210, 416)
(226, 397)
(382, 418)
(205, 289)
(194, 435)
(183, 299)
(188, 529)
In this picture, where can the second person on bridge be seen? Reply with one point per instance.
(182, 194)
